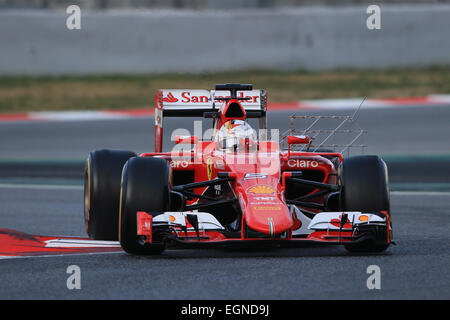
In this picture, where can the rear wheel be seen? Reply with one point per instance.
(145, 187)
(365, 187)
(102, 175)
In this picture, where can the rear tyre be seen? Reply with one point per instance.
(145, 187)
(102, 175)
(365, 187)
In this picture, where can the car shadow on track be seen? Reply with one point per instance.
(224, 253)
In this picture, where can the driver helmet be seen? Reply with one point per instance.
(235, 135)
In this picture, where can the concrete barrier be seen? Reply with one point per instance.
(312, 38)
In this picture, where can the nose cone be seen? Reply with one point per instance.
(267, 214)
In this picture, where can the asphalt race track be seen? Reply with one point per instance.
(416, 268)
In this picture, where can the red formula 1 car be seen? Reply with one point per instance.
(234, 187)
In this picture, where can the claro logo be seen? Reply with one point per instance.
(179, 164)
(297, 163)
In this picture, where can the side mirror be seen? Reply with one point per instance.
(296, 140)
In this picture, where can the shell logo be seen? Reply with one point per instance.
(209, 163)
(261, 189)
(363, 218)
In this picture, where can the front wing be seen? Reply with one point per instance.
(202, 229)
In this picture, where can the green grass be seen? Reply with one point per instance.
(21, 94)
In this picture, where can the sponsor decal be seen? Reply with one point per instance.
(250, 99)
(187, 98)
(363, 218)
(263, 203)
(261, 189)
(267, 208)
(179, 164)
(255, 176)
(175, 98)
(169, 98)
(209, 165)
(264, 198)
(298, 163)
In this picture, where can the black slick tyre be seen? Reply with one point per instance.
(145, 187)
(365, 187)
(102, 176)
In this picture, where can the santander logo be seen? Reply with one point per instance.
(201, 97)
(169, 98)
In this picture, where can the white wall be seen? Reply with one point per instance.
(321, 38)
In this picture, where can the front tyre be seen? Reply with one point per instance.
(365, 187)
(145, 187)
(102, 176)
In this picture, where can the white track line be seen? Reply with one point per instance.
(421, 193)
(80, 243)
(39, 186)
(59, 255)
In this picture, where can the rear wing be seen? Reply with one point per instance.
(200, 103)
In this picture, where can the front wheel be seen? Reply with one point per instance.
(365, 187)
(101, 192)
(145, 187)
